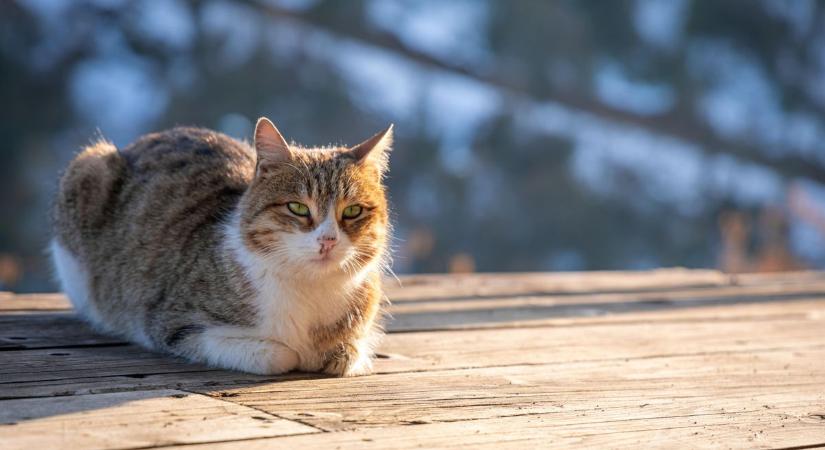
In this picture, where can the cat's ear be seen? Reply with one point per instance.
(374, 150)
(270, 145)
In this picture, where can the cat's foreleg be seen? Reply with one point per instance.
(240, 349)
(350, 359)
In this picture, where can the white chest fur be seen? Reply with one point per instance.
(292, 300)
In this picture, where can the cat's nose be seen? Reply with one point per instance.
(327, 243)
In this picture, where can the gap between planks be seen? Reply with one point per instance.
(72, 371)
(584, 404)
(425, 359)
(585, 394)
(62, 330)
(128, 420)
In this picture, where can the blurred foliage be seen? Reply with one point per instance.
(532, 135)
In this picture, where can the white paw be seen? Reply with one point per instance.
(362, 366)
(347, 366)
(281, 359)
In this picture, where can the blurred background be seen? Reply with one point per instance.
(531, 135)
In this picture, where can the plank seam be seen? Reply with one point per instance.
(802, 447)
(222, 399)
(423, 370)
(645, 357)
(222, 441)
(589, 321)
(413, 424)
(65, 347)
(695, 294)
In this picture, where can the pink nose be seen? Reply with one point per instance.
(327, 243)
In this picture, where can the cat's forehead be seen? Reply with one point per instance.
(324, 164)
(317, 153)
(327, 173)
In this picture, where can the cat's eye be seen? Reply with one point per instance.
(299, 209)
(351, 212)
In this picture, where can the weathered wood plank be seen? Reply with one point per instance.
(746, 279)
(780, 382)
(439, 286)
(793, 326)
(508, 319)
(633, 390)
(134, 419)
(62, 364)
(477, 348)
(33, 302)
(468, 348)
(537, 310)
(741, 366)
(417, 287)
(140, 382)
(57, 330)
(650, 299)
(52, 330)
(721, 431)
(434, 286)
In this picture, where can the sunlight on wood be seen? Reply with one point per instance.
(668, 358)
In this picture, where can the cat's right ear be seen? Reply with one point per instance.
(270, 145)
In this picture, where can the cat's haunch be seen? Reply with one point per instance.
(264, 258)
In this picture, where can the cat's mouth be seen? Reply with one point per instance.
(325, 259)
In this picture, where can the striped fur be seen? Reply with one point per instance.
(182, 242)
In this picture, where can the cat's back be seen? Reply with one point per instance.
(181, 183)
(188, 155)
(161, 181)
(145, 222)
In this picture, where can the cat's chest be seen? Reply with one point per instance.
(291, 316)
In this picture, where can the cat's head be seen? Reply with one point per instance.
(316, 210)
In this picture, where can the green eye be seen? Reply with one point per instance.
(352, 211)
(299, 209)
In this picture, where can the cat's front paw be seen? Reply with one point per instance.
(348, 362)
(280, 359)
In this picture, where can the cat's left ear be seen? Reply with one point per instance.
(270, 145)
(374, 150)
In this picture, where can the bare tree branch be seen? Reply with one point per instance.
(677, 126)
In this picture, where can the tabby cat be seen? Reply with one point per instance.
(263, 259)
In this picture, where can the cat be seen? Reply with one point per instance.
(261, 259)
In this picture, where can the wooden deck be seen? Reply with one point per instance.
(670, 358)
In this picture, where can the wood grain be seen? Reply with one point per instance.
(133, 420)
(10, 303)
(669, 359)
(419, 287)
(60, 364)
(55, 330)
(634, 389)
(32, 330)
(722, 431)
(787, 325)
